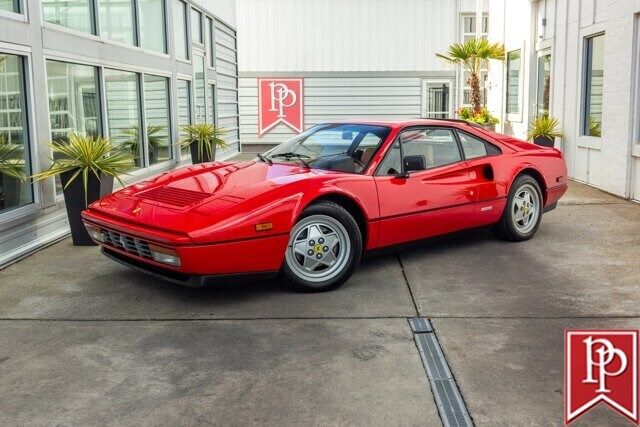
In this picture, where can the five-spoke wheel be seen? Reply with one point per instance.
(522, 216)
(324, 247)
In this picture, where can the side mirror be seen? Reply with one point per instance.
(413, 163)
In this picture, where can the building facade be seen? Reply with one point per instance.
(372, 60)
(578, 62)
(132, 70)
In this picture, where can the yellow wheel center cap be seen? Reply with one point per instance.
(317, 248)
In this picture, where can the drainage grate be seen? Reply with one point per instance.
(451, 407)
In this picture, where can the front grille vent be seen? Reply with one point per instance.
(174, 196)
(127, 243)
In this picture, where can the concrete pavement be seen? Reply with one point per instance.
(84, 340)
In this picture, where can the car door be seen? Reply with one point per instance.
(424, 203)
(482, 158)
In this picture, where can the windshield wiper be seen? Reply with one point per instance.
(288, 155)
(264, 159)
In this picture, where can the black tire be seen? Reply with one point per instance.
(506, 229)
(292, 280)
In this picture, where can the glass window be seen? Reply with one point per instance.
(200, 104)
(156, 108)
(544, 84)
(123, 111)
(436, 99)
(14, 140)
(341, 147)
(117, 20)
(153, 34)
(513, 81)
(211, 51)
(196, 26)
(180, 29)
(74, 101)
(592, 90)
(184, 109)
(472, 146)
(74, 14)
(469, 27)
(10, 5)
(211, 105)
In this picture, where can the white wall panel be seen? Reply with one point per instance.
(227, 84)
(335, 98)
(345, 35)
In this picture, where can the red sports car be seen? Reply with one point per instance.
(310, 207)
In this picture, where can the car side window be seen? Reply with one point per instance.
(475, 147)
(437, 146)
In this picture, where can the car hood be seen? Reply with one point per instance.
(190, 198)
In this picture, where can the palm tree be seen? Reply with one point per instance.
(473, 55)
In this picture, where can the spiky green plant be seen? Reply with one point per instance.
(11, 160)
(473, 55)
(85, 154)
(206, 136)
(544, 126)
(154, 141)
(595, 128)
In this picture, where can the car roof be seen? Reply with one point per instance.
(413, 122)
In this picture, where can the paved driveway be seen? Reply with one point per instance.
(84, 340)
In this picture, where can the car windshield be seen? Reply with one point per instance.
(337, 147)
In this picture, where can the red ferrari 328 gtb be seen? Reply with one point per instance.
(310, 207)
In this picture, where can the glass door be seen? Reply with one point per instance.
(436, 99)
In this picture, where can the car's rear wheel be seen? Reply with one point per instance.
(522, 215)
(324, 248)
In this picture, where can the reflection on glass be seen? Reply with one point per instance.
(180, 29)
(210, 104)
(10, 5)
(116, 20)
(200, 96)
(74, 104)
(14, 152)
(184, 110)
(211, 49)
(156, 106)
(544, 84)
(437, 98)
(196, 26)
(123, 111)
(152, 28)
(594, 76)
(74, 14)
(513, 81)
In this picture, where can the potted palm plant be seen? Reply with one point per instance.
(11, 172)
(543, 131)
(203, 139)
(155, 141)
(87, 166)
(474, 55)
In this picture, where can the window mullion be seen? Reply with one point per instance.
(144, 152)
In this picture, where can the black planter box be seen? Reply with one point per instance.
(544, 141)
(195, 156)
(75, 202)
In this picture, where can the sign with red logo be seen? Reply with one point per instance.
(601, 366)
(280, 101)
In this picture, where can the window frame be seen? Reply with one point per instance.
(539, 55)
(585, 91)
(201, 40)
(31, 145)
(187, 32)
(514, 116)
(423, 96)
(147, 164)
(20, 15)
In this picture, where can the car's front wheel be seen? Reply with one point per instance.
(324, 248)
(522, 215)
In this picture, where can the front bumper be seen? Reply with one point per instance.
(191, 280)
(199, 264)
